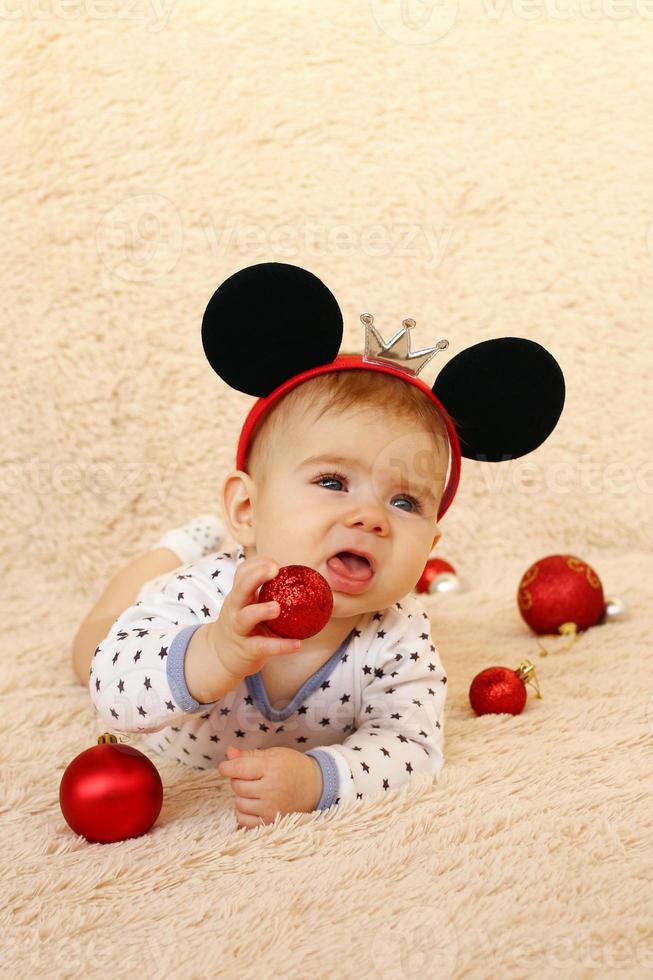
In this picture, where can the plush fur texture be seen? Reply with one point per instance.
(493, 180)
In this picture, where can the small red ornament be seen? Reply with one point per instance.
(305, 598)
(438, 576)
(110, 792)
(558, 590)
(500, 690)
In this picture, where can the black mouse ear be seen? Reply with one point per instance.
(267, 323)
(505, 397)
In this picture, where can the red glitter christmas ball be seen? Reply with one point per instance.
(497, 691)
(560, 589)
(305, 598)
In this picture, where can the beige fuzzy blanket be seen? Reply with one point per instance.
(483, 167)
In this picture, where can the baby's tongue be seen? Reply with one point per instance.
(345, 563)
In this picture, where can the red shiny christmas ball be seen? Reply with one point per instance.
(110, 792)
(428, 579)
(560, 589)
(305, 598)
(497, 690)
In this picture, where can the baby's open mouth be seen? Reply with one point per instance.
(352, 566)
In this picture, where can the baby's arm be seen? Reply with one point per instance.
(400, 727)
(158, 655)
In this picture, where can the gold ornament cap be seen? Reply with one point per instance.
(526, 673)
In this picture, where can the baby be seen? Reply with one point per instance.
(337, 466)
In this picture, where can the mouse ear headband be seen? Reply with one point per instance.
(270, 327)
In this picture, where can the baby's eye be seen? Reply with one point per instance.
(331, 479)
(337, 478)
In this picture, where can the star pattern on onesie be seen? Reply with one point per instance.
(371, 716)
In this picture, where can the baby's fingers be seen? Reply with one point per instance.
(247, 822)
(274, 646)
(250, 577)
(251, 622)
(245, 767)
(257, 613)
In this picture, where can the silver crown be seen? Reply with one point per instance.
(397, 351)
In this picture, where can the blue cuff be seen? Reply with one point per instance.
(330, 778)
(175, 670)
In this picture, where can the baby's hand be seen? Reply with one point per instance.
(242, 640)
(270, 781)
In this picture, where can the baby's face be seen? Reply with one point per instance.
(382, 499)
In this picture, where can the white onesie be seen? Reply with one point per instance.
(372, 715)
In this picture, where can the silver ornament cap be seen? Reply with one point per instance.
(397, 351)
(445, 582)
(615, 609)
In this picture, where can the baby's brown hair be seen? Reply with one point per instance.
(339, 391)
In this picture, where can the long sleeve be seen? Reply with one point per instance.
(136, 680)
(400, 724)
